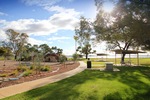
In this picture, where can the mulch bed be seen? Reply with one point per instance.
(55, 69)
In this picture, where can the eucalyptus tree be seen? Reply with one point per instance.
(127, 26)
(57, 50)
(44, 48)
(13, 40)
(54, 49)
(83, 36)
(16, 41)
(21, 43)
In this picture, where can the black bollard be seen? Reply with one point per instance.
(88, 63)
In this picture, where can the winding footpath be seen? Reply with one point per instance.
(26, 86)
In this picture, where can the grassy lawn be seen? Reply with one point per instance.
(130, 83)
(100, 64)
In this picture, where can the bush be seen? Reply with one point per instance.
(3, 75)
(27, 73)
(22, 68)
(62, 59)
(32, 67)
(75, 56)
(14, 73)
(45, 68)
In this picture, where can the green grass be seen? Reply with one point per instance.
(1, 58)
(100, 64)
(130, 83)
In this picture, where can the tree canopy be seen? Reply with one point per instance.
(128, 25)
(17, 43)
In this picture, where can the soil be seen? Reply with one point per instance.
(11, 66)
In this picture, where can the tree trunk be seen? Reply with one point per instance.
(15, 57)
(4, 60)
(86, 56)
(122, 58)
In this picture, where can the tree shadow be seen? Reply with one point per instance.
(134, 77)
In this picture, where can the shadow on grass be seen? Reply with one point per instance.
(132, 76)
(147, 65)
(67, 89)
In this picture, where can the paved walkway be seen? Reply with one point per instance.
(19, 88)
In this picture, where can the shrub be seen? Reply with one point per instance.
(32, 67)
(14, 73)
(45, 68)
(27, 73)
(75, 56)
(62, 59)
(3, 75)
(22, 68)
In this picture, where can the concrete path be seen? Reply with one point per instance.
(19, 88)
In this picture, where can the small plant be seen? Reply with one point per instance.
(32, 67)
(27, 73)
(62, 59)
(45, 68)
(3, 75)
(14, 73)
(75, 57)
(22, 68)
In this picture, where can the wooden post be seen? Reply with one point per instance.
(115, 59)
(130, 59)
(138, 59)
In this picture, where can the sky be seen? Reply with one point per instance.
(46, 21)
(49, 22)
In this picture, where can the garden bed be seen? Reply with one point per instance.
(55, 68)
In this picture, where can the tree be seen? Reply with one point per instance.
(2, 51)
(57, 50)
(21, 43)
(63, 59)
(83, 36)
(75, 57)
(13, 40)
(44, 48)
(127, 26)
(5, 52)
(26, 54)
(16, 41)
(76, 39)
(86, 50)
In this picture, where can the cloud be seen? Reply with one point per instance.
(43, 3)
(31, 26)
(2, 35)
(3, 14)
(59, 38)
(64, 19)
(33, 41)
(40, 2)
(62, 10)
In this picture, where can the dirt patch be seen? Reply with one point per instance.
(56, 68)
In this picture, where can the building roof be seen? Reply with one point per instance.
(101, 54)
(127, 51)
